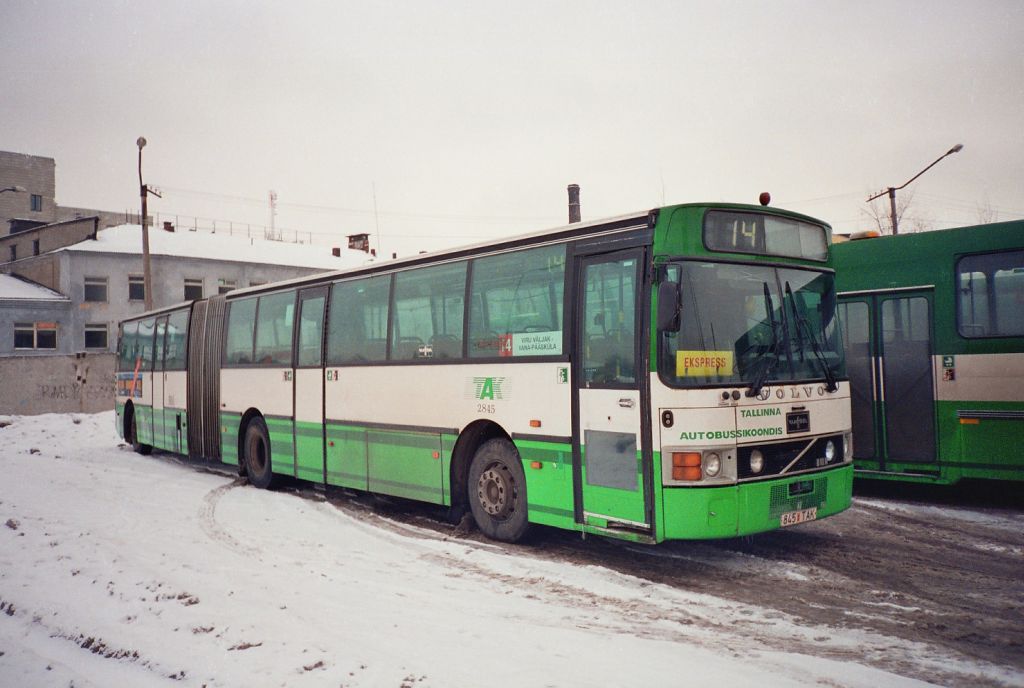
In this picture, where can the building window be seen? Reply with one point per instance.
(96, 289)
(193, 289)
(35, 247)
(96, 336)
(136, 288)
(24, 336)
(41, 335)
(14, 252)
(225, 285)
(37, 203)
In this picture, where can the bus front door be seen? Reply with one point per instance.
(309, 385)
(611, 470)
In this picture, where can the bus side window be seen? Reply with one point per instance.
(990, 302)
(144, 345)
(275, 320)
(177, 327)
(517, 301)
(358, 322)
(241, 324)
(429, 311)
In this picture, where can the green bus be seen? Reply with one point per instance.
(934, 335)
(671, 374)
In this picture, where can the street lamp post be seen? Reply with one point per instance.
(144, 192)
(891, 191)
(15, 189)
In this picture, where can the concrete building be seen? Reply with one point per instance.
(102, 276)
(28, 200)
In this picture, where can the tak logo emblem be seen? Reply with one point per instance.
(488, 388)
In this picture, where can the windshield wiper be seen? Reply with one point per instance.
(804, 328)
(776, 348)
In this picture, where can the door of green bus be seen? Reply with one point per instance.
(309, 385)
(611, 463)
(159, 378)
(888, 339)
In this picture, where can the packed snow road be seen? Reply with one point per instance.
(117, 569)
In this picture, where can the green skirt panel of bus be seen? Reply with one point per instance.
(755, 507)
(548, 469)
(397, 462)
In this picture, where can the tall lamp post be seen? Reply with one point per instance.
(893, 189)
(15, 189)
(144, 192)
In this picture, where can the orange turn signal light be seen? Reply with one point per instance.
(534, 423)
(686, 466)
(536, 464)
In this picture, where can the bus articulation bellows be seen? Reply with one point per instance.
(676, 374)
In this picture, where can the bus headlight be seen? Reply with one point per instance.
(712, 464)
(756, 461)
(830, 451)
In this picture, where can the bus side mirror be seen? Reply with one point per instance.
(668, 306)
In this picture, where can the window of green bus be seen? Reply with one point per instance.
(990, 302)
(177, 328)
(275, 320)
(241, 324)
(311, 330)
(357, 330)
(129, 342)
(161, 334)
(144, 345)
(429, 310)
(516, 303)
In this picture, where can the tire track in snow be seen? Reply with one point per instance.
(208, 520)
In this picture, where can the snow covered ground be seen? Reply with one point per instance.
(123, 570)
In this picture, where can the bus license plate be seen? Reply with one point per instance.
(791, 518)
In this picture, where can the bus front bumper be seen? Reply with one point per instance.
(695, 513)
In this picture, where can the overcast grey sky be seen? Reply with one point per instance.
(468, 119)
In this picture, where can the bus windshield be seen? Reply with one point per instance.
(751, 325)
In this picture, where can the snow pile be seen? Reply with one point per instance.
(117, 569)
(221, 245)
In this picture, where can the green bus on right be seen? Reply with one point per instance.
(933, 327)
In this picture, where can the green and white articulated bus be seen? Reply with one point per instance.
(934, 328)
(672, 374)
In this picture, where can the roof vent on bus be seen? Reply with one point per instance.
(765, 198)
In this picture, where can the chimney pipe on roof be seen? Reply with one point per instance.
(574, 203)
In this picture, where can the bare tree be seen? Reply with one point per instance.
(985, 213)
(879, 213)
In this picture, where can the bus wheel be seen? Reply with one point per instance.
(133, 436)
(257, 454)
(497, 491)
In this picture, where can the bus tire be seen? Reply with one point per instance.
(497, 491)
(257, 454)
(133, 436)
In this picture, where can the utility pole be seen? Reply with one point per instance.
(144, 192)
(891, 191)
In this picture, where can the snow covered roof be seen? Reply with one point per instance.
(14, 288)
(220, 246)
